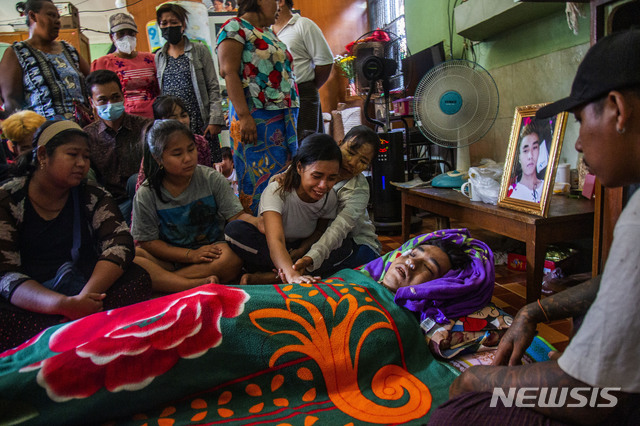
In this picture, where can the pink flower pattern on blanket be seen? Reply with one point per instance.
(114, 349)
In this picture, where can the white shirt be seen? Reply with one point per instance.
(521, 192)
(604, 352)
(307, 45)
(299, 219)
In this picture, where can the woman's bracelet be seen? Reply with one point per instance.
(543, 311)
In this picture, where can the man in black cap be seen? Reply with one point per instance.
(597, 379)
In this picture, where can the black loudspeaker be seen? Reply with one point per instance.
(388, 167)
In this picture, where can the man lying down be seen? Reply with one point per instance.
(442, 275)
(339, 351)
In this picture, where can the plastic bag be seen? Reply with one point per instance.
(485, 181)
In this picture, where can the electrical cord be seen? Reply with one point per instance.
(109, 10)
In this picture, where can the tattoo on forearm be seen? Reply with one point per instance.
(572, 302)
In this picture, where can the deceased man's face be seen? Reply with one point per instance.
(416, 266)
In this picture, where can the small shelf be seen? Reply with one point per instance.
(480, 19)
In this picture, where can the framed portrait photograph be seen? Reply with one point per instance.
(531, 161)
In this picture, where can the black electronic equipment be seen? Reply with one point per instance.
(373, 66)
(415, 66)
(386, 168)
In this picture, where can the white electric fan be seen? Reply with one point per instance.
(455, 105)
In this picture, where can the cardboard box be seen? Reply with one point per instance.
(518, 262)
(69, 17)
(589, 186)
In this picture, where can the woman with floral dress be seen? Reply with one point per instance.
(257, 69)
(42, 73)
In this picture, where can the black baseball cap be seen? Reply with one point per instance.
(612, 63)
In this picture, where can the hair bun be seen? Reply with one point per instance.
(20, 7)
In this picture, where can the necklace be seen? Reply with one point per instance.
(534, 192)
(41, 207)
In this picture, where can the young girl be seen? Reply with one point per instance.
(173, 108)
(350, 240)
(179, 214)
(295, 214)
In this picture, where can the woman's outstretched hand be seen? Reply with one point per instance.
(303, 263)
(293, 276)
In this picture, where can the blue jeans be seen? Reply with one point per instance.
(68, 280)
(251, 245)
(348, 256)
(126, 207)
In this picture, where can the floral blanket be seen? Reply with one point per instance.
(335, 353)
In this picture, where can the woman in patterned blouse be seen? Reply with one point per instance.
(258, 71)
(65, 250)
(41, 73)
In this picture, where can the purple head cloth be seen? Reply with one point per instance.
(455, 294)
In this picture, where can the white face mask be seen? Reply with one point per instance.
(126, 44)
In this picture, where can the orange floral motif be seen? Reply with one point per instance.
(332, 354)
(246, 200)
(234, 132)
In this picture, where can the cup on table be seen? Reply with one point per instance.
(467, 191)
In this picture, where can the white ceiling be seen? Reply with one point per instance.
(89, 18)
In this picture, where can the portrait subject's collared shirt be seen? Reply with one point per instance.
(116, 154)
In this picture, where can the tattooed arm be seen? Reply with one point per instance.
(572, 302)
(538, 375)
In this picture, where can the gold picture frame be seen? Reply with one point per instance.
(532, 160)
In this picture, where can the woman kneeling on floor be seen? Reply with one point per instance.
(296, 213)
(65, 250)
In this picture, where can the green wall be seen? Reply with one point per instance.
(99, 49)
(546, 35)
(426, 25)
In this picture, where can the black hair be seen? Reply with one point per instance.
(164, 105)
(362, 135)
(289, 4)
(180, 12)
(531, 128)
(458, 258)
(28, 162)
(102, 77)
(24, 7)
(315, 147)
(225, 152)
(156, 138)
(247, 6)
(162, 108)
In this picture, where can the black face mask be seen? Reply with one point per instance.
(172, 34)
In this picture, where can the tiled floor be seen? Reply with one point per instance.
(509, 292)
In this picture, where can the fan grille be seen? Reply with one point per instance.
(450, 124)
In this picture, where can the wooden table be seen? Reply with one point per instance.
(568, 219)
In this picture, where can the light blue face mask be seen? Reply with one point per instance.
(110, 111)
